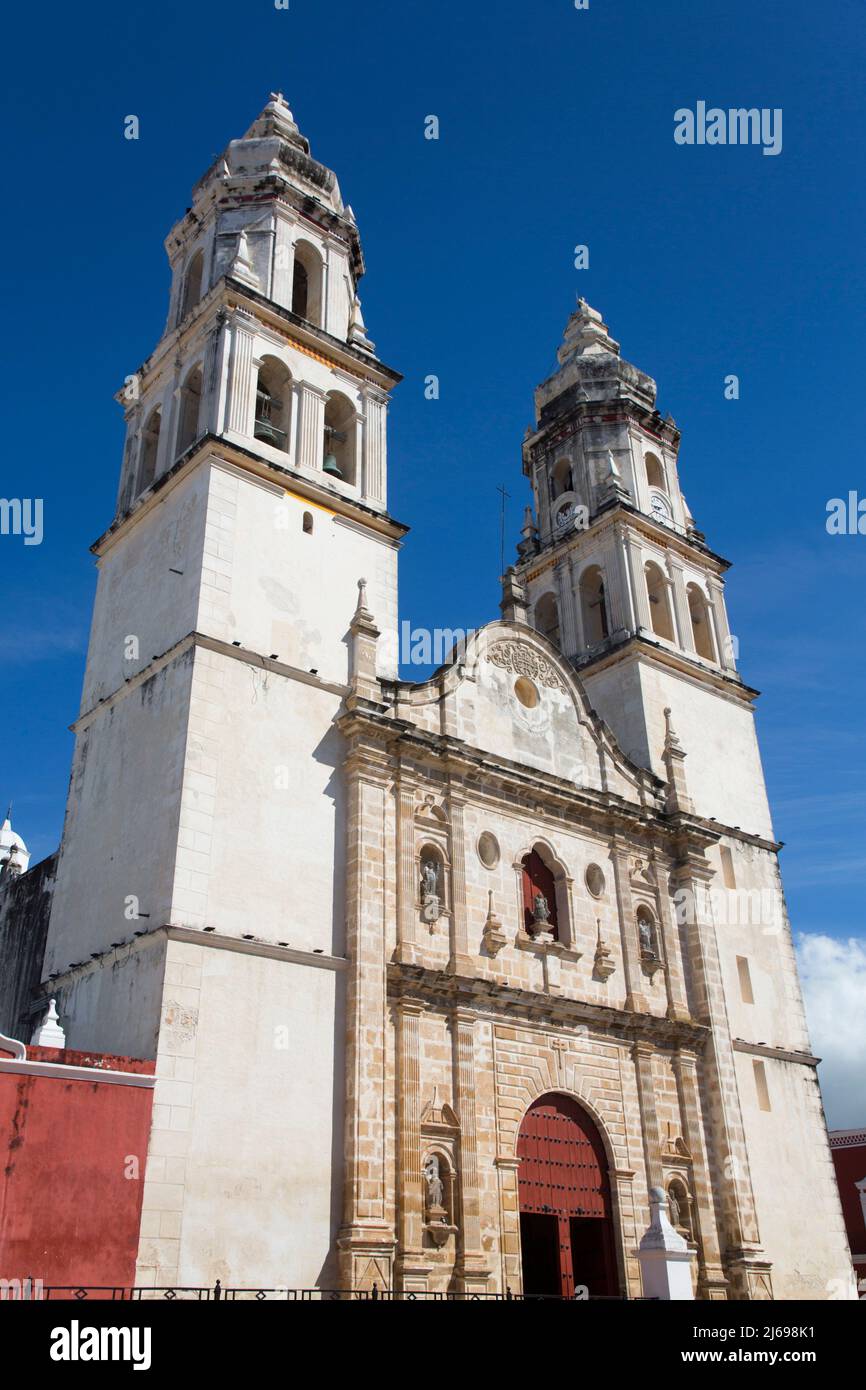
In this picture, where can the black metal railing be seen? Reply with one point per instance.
(216, 1293)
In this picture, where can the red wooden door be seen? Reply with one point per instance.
(563, 1177)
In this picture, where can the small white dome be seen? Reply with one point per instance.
(12, 847)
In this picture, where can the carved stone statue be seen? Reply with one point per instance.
(647, 942)
(429, 880)
(435, 1187)
(540, 910)
(673, 1208)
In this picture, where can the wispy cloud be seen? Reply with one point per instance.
(833, 974)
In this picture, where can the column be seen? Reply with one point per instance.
(628, 929)
(407, 919)
(375, 459)
(413, 1266)
(741, 1237)
(509, 1224)
(682, 615)
(567, 621)
(460, 962)
(711, 1276)
(678, 1007)
(472, 1272)
(724, 645)
(634, 558)
(366, 1239)
(642, 1055)
(311, 427)
(241, 383)
(284, 259)
(580, 635)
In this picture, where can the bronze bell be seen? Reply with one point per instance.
(330, 466)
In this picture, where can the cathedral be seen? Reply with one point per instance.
(468, 985)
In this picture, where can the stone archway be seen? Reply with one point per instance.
(566, 1212)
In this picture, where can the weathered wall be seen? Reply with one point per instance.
(25, 908)
(71, 1176)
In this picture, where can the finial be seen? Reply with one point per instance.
(671, 740)
(362, 596)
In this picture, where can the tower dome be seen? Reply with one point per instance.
(14, 854)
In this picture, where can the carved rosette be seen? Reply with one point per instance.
(522, 660)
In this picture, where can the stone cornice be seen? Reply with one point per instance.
(216, 449)
(213, 644)
(509, 1004)
(452, 758)
(779, 1054)
(637, 644)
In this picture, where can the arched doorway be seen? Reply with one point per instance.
(566, 1222)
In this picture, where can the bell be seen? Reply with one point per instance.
(330, 466)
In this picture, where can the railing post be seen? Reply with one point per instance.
(217, 1291)
(375, 1292)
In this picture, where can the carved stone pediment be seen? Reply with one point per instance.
(522, 660)
(438, 1118)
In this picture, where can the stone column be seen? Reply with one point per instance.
(580, 634)
(509, 1224)
(628, 929)
(741, 1237)
(678, 1007)
(712, 1283)
(241, 376)
(682, 615)
(642, 1054)
(311, 427)
(567, 622)
(407, 919)
(412, 1267)
(283, 276)
(471, 1272)
(627, 618)
(634, 555)
(374, 477)
(724, 645)
(366, 1239)
(461, 962)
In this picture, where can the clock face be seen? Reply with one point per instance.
(563, 516)
(661, 507)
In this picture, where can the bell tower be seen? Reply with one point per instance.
(616, 573)
(199, 914)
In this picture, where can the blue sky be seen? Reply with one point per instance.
(556, 129)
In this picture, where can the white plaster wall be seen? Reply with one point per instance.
(796, 1196)
(121, 824)
(723, 765)
(137, 593)
(247, 1123)
(548, 737)
(752, 922)
(262, 831)
(276, 589)
(115, 1007)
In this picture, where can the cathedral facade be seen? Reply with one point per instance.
(443, 980)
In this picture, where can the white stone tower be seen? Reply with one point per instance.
(614, 571)
(199, 913)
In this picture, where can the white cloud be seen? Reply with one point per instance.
(833, 974)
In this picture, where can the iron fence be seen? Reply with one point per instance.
(217, 1293)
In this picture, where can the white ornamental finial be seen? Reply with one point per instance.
(49, 1032)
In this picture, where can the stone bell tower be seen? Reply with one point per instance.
(614, 571)
(199, 913)
(617, 574)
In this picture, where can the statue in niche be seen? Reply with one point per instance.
(540, 911)
(673, 1207)
(647, 939)
(430, 901)
(435, 1189)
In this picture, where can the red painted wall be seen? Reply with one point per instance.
(68, 1213)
